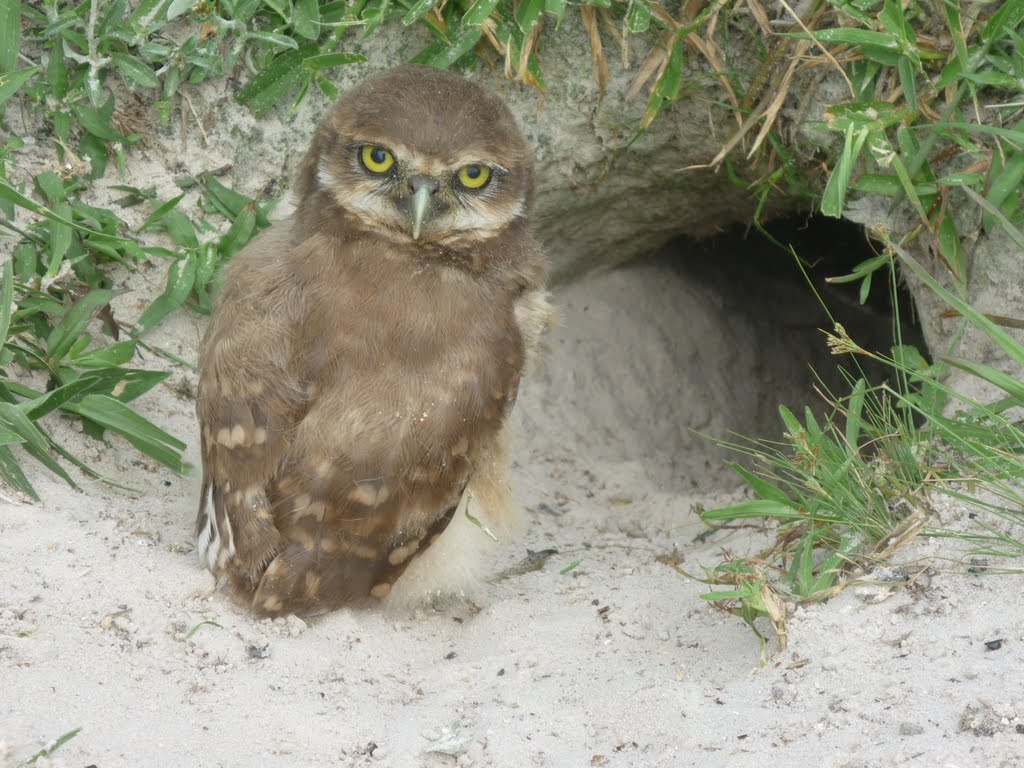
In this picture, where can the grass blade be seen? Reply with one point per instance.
(180, 278)
(479, 12)
(853, 415)
(67, 332)
(49, 749)
(1009, 384)
(12, 195)
(144, 435)
(10, 33)
(756, 508)
(284, 74)
(834, 199)
(419, 9)
(6, 299)
(764, 489)
(12, 417)
(13, 475)
(1000, 337)
(10, 82)
(39, 407)
(160, 211)
(1005, 20)
(1013, 233)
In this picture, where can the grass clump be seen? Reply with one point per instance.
(837, 487)
(59, 327)
(844, 494)
(933, 121)
(90, 66)
(932, 106)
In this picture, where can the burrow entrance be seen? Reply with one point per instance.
(705, 337)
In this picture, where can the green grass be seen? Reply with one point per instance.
(842, 495)
(836, 492)
(940, 134)
(58, 321)
(50, 748)
(934, 121)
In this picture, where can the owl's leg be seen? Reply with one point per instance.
(534, 315)
(291, 583)
(463, 555)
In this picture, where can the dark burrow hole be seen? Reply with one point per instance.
(708, 338)
(765, 282)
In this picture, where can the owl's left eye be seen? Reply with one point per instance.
(474, 176)
(376, 159)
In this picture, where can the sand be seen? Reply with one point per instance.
(598, 655)
(108, 624)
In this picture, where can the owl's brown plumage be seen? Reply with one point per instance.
(358, 371)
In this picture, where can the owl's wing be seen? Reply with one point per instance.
(249, 398)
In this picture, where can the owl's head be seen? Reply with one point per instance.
(419, 154)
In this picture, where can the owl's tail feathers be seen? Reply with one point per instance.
(235, 534)
(321, 569)
(458, 562)
(300, 580)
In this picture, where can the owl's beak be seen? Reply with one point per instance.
(418, 209)
(423, 189)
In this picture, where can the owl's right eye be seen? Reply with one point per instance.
(376, 159)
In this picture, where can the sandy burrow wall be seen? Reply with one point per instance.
(604, 194)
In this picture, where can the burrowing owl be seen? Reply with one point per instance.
(358, 372)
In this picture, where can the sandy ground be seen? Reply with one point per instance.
(108, 624)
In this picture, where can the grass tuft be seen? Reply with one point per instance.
(843, 495)
(50, 748)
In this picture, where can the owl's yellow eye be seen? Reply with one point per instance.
(377, 159)
(474, 176)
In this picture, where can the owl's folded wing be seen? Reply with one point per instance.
(249, 400)
(240, 454)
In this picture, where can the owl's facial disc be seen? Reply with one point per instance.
(425, 197)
